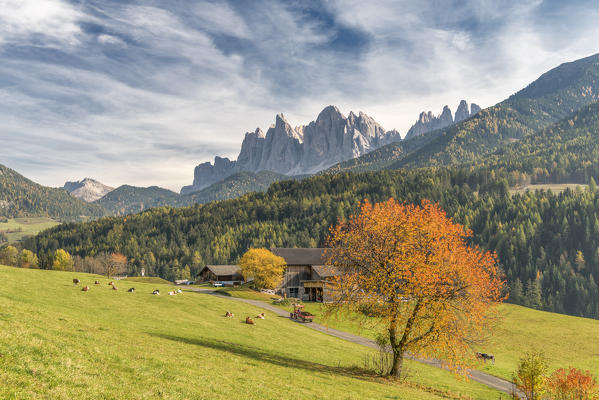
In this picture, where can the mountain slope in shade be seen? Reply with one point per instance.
(88, 189)
(21, 197)
(128, 199)
(283, 149)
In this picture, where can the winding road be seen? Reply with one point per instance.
(486, 379)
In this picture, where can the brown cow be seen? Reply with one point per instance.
(261, 316)
(76, 281)
(96, 282)
(229, 314)
(110, 283)
(249, 321)
(114, 287)
(85, 288)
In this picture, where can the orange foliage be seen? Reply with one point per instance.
(573, 384)
(411, 268)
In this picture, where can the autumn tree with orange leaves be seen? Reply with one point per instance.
(572, 384)
(409, 271)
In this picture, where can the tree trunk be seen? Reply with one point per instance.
(397, 363)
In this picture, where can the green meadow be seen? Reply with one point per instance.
(16, 229)
(58, 342)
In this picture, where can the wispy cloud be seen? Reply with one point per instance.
(139, 93)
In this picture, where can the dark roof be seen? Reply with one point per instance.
(325, 271)
(223, 270)
(301, 256)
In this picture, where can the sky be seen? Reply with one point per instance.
(139, 93)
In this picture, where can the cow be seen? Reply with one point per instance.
(249, 321)
(96, 282)
(172, 293)
(261, 316)
(85, 288)
(229, 314)
(76, 281)
(114, 287)
(110, 283)
(486, 357)
(131, 290)
(156, 292)
(179, 291)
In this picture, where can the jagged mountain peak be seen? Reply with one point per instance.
(427, 121)
(330, 139)
(87, 189)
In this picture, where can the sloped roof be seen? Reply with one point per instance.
(301, 256)
(222, 270)
(326, 271)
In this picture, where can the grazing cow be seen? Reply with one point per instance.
(261, 316)
(229, 314)
(114, 287)
(249, 321)
(171, 293)
(179, 291)
(131, 290)
(486, 357)
(76, 281)
(85, 288)
(96, 282)
(157, 292)
(110, 283)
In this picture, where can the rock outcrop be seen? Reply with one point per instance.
(306, 149)
(428, 122)
(88, 189)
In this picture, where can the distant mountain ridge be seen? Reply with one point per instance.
(87, 189)
(428, 122)
(306, 149)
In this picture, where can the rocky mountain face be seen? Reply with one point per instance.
(428, 122)
(306, 149)
(88, 189)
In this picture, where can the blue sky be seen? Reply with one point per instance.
(141, 92)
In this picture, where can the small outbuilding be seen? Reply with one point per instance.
(226, 274)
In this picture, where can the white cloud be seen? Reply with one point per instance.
(53, 20)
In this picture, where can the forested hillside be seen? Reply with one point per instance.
(127, 199)
(21, 197)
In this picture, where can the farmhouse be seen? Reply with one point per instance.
(306, 275)
(227, 274)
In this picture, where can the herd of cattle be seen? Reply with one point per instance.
(248, 320)
(131, 290)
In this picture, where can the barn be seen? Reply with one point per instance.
(306, 275)
(226, 274)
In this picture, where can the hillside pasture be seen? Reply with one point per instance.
(59, 342)
(15, 229)
(565, 340)
(553, 187)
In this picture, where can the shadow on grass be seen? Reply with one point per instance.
(272, 358)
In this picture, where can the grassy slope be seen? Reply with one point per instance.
(565, 340)
(28, 226)
(59, 342)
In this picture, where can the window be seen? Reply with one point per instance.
(294, 292)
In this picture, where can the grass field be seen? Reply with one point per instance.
(17, 228)
(554, 187)
(565, 340)
(147, 279)
(57, 342)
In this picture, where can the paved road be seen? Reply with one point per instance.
(478, 376)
